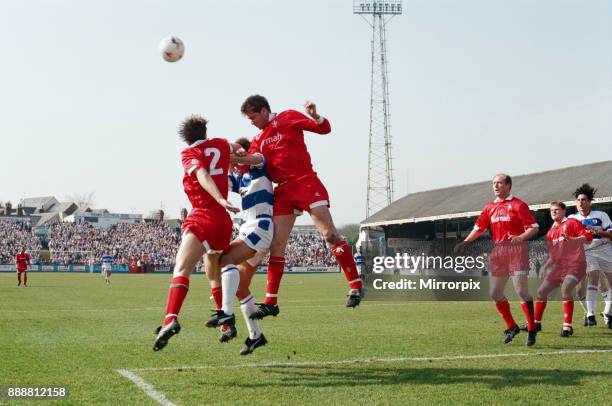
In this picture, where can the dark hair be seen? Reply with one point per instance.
(244, 143)
(507, 178)
(585, 189)
(193, 129)
(560, 205)
(254, 104)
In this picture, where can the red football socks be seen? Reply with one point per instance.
(347, 264)
(568, 311)
(176, 295)
(276, 268)
(540, 305)
(503, 307)
(528, 310)
(217, 296)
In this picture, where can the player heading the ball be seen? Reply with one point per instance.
(208, 228)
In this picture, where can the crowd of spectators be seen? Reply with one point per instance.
(308, 250)
(151, 243)
(15, 235)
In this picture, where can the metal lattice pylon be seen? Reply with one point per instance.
(380, 161)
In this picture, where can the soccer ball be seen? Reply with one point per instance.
(172, 49)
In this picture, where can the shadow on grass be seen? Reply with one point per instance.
(333, 376)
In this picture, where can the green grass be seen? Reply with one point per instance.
(71, 329)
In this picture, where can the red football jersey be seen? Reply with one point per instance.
(507, 218)
(562, 249)
(22, 260)
(282, 144)
(212, 155)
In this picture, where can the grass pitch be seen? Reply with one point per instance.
(71, 329)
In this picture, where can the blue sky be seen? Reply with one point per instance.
(477, 87)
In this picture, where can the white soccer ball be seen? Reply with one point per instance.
(172, 49)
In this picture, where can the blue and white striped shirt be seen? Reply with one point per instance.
(107, 259)
(256, 190)
(597, 219)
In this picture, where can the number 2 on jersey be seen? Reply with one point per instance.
(215, 160)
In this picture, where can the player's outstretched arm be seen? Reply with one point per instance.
(248, 159)
(208, 184)
(315, 123)
(237, 149)
(311, 110)
(598, 231)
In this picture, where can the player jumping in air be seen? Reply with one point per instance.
(512, 225)
(208, 228)
(281, 142)
(107, 267)
(22, 260)
(566, 265)
(598, 253)
(253, 241)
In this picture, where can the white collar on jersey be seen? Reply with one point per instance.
(555, 224)
(271, 117)
(497, 199)
(198, 142)
(586, 215)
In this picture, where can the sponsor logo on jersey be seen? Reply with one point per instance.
(270, 140)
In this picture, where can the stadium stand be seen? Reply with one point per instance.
(153, 243)
(466, 201)
(16, 234)
(432, 222)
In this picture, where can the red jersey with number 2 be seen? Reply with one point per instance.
(214, 156)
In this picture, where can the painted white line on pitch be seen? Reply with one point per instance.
(380, 360)
(146, 387)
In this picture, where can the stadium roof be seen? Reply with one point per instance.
(45, 218)
(37, 203)
(536, 189)
(64, 208)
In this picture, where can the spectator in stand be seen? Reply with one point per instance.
(13, 235)
(153, 244)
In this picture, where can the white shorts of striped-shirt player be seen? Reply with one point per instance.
(257, 233)
(597, 262)
(106, 269)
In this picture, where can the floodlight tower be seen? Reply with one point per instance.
(377, 13)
